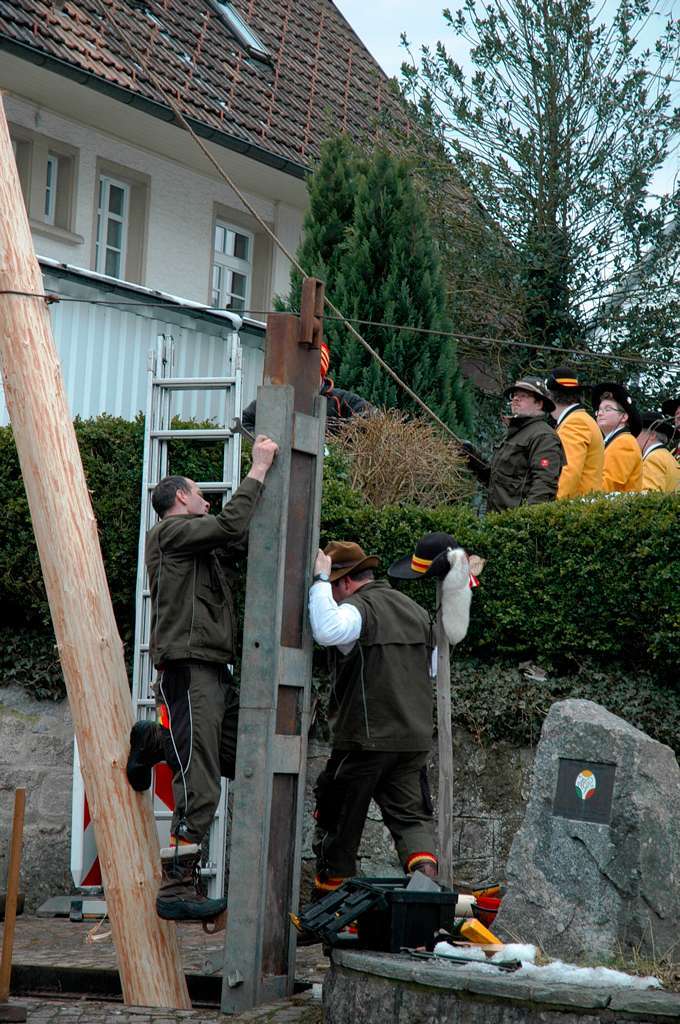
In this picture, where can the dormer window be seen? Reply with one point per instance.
(242, 30)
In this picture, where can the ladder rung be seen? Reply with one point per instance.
(205, 485)
(192, 435)
(194, 383)
(146, 702)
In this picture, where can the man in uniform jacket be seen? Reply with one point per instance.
(620, 423)
(660, 471)
(579, 433)
(671, 408)
(525, 467)
(190, 558)
(380, 714)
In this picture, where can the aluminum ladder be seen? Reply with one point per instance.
(163, 405)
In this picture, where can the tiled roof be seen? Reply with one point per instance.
(320, 79)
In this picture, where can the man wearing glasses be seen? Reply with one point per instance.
(620, 423)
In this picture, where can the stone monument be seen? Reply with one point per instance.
(594, 871)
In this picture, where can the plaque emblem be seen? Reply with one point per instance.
(586, 784)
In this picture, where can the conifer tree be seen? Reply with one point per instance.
(332, 190)
(390, 272)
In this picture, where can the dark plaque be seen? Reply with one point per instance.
(584, 791)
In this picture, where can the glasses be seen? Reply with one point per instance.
(610, 408)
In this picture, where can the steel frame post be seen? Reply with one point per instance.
(266, 835)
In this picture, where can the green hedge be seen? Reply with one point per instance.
(565, 583)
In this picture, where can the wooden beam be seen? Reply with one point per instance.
(264, 862)
(13, 868)
(445, 749)
(90, 648)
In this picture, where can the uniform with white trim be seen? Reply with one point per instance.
(660, 471)
(622, 462)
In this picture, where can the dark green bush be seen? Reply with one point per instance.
(566, 583)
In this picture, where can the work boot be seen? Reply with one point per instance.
(181, 896)
(146, 750)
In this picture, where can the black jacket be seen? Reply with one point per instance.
(340, 404)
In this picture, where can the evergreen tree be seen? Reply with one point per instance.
(332, 190)
(389, 271)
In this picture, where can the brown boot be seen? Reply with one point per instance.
(181, 896)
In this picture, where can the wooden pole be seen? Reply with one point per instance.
(445, 748)
(276, 669)
(89, 646)
(12, 894)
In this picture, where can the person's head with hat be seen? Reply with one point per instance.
(565, 387)
(529, 397)
(346, 566)
(615, 409)
(656, 429)
(671, 409)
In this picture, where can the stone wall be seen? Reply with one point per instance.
(362, 987)
(36, 751)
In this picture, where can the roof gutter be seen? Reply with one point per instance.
(151, 107)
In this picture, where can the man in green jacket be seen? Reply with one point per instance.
(380, 714)
(525, 467)
(191, 561)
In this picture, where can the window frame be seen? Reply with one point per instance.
(231, 263)
(102, 247)
(51, 188)
(138, 185)
(33, 153)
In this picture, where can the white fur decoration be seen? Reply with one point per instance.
(456, 596)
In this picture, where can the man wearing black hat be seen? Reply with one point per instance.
(525, 468)
(671, 408)
(579, 433)
(620, 423)
(380, 714)
(660, 471)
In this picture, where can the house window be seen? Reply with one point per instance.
(51, 185)
(112, 227)
(47, 172)
(232, 267)
(242, 30)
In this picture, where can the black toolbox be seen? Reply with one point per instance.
(388, 915)
(409, 919)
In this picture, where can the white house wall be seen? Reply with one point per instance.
(181, 201)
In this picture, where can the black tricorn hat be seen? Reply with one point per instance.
(428, 561)
(566, 378)
(670, 405)
(658, 422)
(620, 395)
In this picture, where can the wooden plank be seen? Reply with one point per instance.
(445, 750)
(13, 869)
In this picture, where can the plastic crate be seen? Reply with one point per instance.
(410, 918)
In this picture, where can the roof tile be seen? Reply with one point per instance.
(318, 64)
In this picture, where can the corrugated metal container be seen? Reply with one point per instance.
(103, 346)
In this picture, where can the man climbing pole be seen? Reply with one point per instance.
(190, 557)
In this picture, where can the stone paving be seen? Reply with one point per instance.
(59, 943)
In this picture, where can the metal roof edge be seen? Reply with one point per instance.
(152, 107)
(168, 300)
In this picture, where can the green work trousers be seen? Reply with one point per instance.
(351, 779)
(200, 744)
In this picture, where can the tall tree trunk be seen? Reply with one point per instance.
(90, 648)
